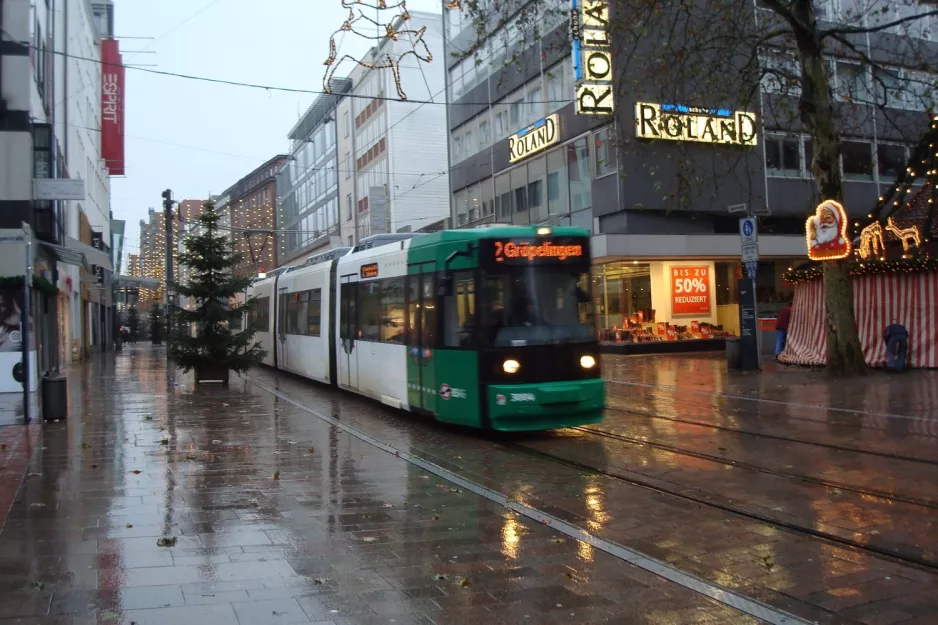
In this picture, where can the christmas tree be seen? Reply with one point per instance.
(156, 324)
(211, 287)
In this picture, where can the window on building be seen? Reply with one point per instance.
(501, 123)
(606, 161)
(857, 157)
(782, 154)
(781, 73)
(348, 165)
(347, 123)
(486, 198)
(891, 159)
(503, 197)
(484, 138)
(350, 243)
(852, 82)
(516, 114)
(462, 208)
(469, 147)
(348, 207)
(535, 103)
(457, 149)
(558, 188)
(581, 188)
(519, 194)
(889, 88)
(537, 200)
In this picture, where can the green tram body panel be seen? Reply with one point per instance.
(445, 382)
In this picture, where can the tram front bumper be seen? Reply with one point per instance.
(547, 406)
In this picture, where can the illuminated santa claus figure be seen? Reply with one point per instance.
(827, 238)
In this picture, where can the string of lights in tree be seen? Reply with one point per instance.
(389, 60)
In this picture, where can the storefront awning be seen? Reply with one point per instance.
(65, 255)
(93, 256)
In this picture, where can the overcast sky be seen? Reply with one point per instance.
(199, 138)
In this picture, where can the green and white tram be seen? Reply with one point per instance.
(487, 328)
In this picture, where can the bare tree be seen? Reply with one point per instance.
(780, 57)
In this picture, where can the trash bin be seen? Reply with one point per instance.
(54, 396)
(733, 353)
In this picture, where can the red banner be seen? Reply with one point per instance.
(112, 107)
(690, 290)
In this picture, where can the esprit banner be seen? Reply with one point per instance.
(112, 107)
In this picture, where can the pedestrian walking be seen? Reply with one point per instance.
(896, 337)
(781, 328)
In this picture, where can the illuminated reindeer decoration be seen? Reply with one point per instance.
(904, 234)
(871, 241)
(385, 61)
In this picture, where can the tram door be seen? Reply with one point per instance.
(421, 351)
(348, 332)
(280, 352)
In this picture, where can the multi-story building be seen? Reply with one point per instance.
(49, 51)
(521, 153)
(253, 222)
(308, 182)
(393, 150)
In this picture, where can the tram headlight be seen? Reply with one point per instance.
(511, 366)
(587, 362)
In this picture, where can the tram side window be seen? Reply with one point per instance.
(314, 313)
(460, 311)
(260, 315)
(428, 309)
(369, 310)
(349, 320)
(392, 310)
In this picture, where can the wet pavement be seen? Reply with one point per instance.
(750, 483)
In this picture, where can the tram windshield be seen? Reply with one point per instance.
(537, 306)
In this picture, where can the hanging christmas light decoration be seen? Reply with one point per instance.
(389, 60)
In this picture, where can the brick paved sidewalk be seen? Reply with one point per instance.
(275, 517)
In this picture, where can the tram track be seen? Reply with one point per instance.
(897, 555)
(778, 437)
(887, 496)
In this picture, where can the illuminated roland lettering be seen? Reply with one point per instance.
(700, 125)
(594, 95)
(536, 137)
(525, 250)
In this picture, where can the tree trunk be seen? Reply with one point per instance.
(844, 355)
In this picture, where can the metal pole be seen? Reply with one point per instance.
(24, 327)
(168, 219)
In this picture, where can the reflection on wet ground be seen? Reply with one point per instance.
(159, 503)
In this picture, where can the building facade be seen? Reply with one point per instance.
(394, 151)
(252, 202)
(307, 184)
(521, 153)
(53, 173)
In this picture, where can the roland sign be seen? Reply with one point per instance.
(675, 122)
(536, 137)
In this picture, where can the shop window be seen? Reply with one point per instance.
(857, 159)
(783, 155)
(891, 159)
(558, 199)
(461, 208)
(606, 161)
(623, 295)
(578, 161)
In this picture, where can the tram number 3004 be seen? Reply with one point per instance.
(522, 397)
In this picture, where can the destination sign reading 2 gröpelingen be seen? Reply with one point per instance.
(536, 137)
(675, 122)
(523, 250)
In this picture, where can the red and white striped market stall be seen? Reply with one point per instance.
(909, 298)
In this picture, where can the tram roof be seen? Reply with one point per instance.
(498, 232)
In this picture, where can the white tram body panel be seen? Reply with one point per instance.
(263, 316)
(303, 322)
(371, 354)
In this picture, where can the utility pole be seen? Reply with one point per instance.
(168, 223)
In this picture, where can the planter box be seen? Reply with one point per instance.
(212, 373)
